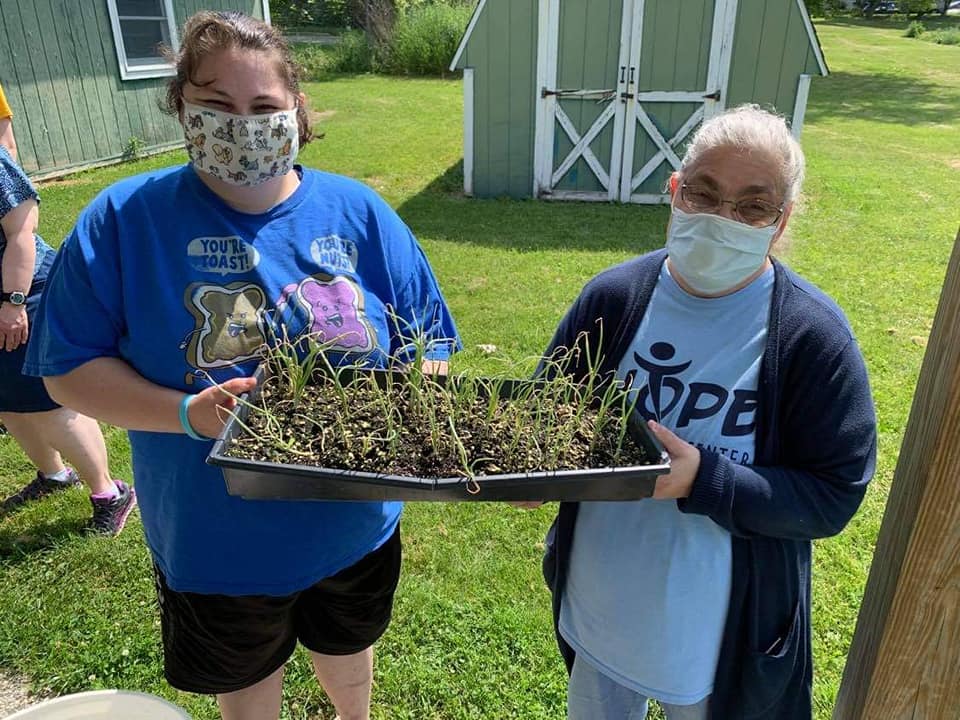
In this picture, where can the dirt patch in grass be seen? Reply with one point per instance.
(14, 695)
(319, 115)
(64, 181)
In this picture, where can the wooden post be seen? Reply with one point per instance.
(905, 659)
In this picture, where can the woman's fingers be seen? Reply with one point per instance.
(684, 463)
(207, 409)
(12, 339)
(235, 387)
(671, 443)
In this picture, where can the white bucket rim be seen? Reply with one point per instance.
(94, 694)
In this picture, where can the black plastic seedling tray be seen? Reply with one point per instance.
(261, 480)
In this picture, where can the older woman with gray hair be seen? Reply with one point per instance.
(700, 596)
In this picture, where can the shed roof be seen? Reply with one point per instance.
(477, 11)
(482, 4)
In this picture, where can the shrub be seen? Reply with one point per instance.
(133, 149)
(915, 29)
(915, 7)
(950, 36)
(825, 8)
(424, 39)
(288, 14)
(314, 60)
(353, 54)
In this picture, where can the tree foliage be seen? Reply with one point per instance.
(916, 7)
(297, 13)
(371, 15)
(823, 8)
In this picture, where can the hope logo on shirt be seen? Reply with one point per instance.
(665, 391)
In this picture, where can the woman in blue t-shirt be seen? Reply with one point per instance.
(156, 310)
(39, 425)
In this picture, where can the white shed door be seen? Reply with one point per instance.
(622, 85)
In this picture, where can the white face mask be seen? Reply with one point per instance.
(713, 254)
(242, 150)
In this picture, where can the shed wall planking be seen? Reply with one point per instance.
(78, 69)
(19, 83)
(776, 33)
(523, 62)
(502, 50)
(33, 76)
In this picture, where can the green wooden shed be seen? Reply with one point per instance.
(83, 77)
(594, 99)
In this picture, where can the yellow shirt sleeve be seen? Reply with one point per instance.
(5, 111)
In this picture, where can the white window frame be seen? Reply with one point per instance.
(139, 72)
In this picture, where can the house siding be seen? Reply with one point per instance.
(59, 70)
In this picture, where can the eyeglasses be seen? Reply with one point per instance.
(755, 212)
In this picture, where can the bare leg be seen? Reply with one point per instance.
(41, 453)
(257, 702)
(44, 435)
(347, 680)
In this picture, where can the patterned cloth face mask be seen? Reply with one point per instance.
(242, 150)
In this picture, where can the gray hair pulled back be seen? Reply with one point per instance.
(751, 128)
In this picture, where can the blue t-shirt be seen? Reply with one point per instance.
(15, 189)
(161, 273)
(648, 588)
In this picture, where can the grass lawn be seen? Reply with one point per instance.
(471, 636)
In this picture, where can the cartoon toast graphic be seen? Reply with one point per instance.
(228, 327)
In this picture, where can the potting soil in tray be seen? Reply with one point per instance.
(386, 440)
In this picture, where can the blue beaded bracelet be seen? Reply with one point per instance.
(185, 419)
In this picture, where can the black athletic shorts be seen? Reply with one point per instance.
(219, 643)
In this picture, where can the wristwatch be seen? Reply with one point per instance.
(16, 297)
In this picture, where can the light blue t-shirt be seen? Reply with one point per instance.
(161, 273)
(648, 588)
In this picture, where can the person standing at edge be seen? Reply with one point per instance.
(751, 378)
(157, 308)
(40, 426)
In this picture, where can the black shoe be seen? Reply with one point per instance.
(40, 487)
(109, 516)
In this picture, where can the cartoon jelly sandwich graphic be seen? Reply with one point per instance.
(330, 308)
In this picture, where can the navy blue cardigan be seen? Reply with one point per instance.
(815, 453)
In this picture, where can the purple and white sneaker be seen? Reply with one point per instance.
(109, 516)
(38, 488)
